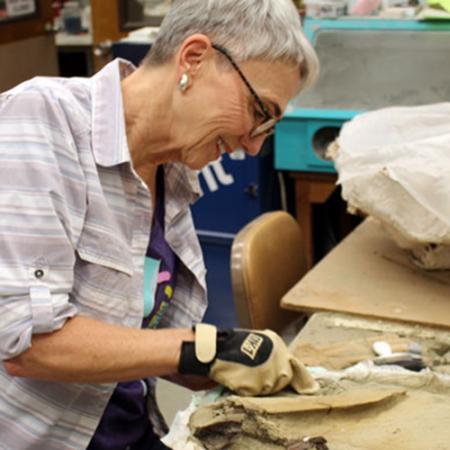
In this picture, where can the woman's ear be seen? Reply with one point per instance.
(193, 54)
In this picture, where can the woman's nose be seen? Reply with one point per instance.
(252, 146)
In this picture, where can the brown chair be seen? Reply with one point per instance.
(267, 259)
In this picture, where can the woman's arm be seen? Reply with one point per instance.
(87, 350)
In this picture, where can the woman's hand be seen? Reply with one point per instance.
(248, 362)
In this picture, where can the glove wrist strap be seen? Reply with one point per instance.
(205, 342)
(196, 357)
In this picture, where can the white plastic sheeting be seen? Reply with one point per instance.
(394, 164)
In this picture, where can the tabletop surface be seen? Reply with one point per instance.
(367, 274)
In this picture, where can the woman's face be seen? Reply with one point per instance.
(218, 108)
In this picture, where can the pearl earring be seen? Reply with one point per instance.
(184, 82)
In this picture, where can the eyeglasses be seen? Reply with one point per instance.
(267, 127)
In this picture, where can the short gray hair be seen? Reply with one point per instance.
(248, 29)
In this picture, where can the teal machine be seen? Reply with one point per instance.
(365, 65)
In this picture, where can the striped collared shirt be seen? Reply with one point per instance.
(74, 229)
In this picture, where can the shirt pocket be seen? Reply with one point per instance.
(103, 285)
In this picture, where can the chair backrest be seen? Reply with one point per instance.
(267, 259)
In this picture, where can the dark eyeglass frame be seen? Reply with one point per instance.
(268, 126)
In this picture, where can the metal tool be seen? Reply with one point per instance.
(411, 359)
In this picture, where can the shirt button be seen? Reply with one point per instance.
(39, 273)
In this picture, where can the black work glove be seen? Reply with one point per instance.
(245, 361)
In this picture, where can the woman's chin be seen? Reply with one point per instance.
(200, 163)
(196, 164)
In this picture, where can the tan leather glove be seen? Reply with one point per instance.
(245, 361)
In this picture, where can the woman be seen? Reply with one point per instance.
(90, 168)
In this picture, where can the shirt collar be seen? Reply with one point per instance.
(109, 139)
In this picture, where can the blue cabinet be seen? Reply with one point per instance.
(235, 192)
